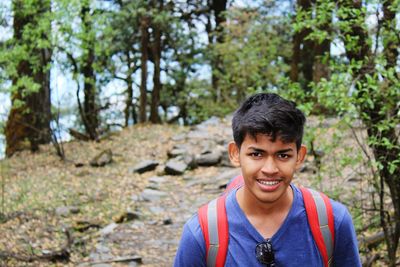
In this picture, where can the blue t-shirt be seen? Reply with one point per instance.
(293, 243)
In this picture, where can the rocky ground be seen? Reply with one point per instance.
(124, 207)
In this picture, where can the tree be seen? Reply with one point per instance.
(90, 111)
(144, 44)
(156, 49)
(28, 58)
(378, 103)
(311, 42)
(216, 36)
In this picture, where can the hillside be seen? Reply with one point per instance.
(115, 216)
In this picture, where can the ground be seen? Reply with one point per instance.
(111, 223)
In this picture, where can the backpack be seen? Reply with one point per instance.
(214, 224)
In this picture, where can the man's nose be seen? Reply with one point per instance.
(269, 166)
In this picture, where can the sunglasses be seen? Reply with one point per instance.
(265, 253)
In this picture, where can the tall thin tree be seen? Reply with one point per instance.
(28, 123)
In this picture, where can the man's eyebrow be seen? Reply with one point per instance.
(285, 150)
(256, 149)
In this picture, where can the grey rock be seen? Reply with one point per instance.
(198, 135)
(102, 265)
(167, 221)
(152, 195)
(209, 122)
(67, 210)
(100, 160)
(145, 166)
(179, 137)
(225, 160)
(225, 177)
(157, 179)
(108, 229)
(174, 167)
(156, 209)
(209, 159)
(175, 152)
(190, 160)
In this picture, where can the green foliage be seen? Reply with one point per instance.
(252, 54)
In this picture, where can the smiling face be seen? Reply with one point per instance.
(267, 168)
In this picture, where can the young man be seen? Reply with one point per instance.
(268, 210)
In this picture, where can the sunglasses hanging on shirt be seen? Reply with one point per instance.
(265, 254)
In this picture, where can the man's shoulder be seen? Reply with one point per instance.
(339, 210)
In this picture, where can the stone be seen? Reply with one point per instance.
(179, 137)
(190, 160)
(145, 166)
(225, 177)
(157, 179)
(167, 221)
(152, 195)
(156, 209)
(174, 167)
(213, 121)
(126, 217)
(67, 210)
(209, 159)
(108, 229)
(102, 159)
(198, 135)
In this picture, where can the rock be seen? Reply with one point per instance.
(178, 150)
(213, 121)
(190, 160)
(225, 177)
(198, 135)
(126, 217)
(225, 160)
(67, 210)
(156, 209)
(157, 179)
(108, 229)
(209, 159)
(174, 167)
(152, 195)
(105, 157)
(179, 137)
(145, 166)
(308, 167)
(167, 221)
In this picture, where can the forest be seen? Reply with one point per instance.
(85, 70)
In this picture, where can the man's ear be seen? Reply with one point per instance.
(301, 155)
(233, 151)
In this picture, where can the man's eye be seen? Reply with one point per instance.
(256, 154)
(284, 156)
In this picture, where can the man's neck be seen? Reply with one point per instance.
(265, 217)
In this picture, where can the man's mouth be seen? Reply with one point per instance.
(268, 183)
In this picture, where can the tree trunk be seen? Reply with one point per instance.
(322, 49)
(129, 100)
(303, 51)
(361, 52)
(144, 41)
(90, 110)
(294, 65)
(156, 51)
(28, 124)
(219, 7)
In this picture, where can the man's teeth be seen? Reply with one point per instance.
(268, 182)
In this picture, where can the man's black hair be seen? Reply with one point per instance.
(269, 114)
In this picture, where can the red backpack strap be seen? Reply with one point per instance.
(320, 218)
(234, 183)
(214, 225)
